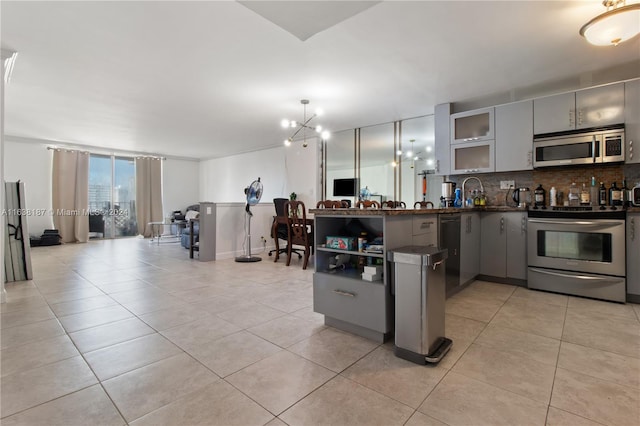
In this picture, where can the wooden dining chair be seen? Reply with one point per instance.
(394, 204)
(300, 232)
(331, 204)
(368, 204)
(422, 204)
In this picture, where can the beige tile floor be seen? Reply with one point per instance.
(124, 332)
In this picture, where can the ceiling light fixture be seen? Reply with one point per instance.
(324, 134)
(618, 24)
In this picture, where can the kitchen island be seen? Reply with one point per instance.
(347, 298)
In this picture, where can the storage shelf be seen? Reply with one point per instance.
(355, 253)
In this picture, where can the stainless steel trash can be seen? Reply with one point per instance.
(419, 280)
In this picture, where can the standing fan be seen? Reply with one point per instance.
(253, 193)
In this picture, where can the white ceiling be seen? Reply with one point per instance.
(209, 79)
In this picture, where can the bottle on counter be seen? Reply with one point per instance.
(602, 196)
(615, 195)
(593, 192)
(540, 196)
(624, 194)
(574, 195)
(553, 194)
(585, 196)
(469, 201)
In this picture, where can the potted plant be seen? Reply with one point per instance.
(293, 196)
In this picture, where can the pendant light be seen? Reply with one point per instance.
(304, 125)
(618, 24)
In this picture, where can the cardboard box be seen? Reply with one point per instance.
(341, 243)
(371, 277)
(373, 269)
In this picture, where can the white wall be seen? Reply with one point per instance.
(180, 184)
(31, 164)
(282, 170)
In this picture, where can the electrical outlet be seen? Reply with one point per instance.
(506, 184)
(263, 239)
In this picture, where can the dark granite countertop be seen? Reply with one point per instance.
(401, 212)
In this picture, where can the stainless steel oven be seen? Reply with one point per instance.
(578, 252)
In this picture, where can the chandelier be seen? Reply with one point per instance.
(304, 126)
(618, 24)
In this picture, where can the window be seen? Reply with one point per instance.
(112, 195)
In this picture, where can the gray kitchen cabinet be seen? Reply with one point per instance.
(473, 157)
(632, 121)
(633, 266)
(442, 138)
(348, 301)
(425, 230)
(503, 245)
(600, 106)
(516, 245)
(514, 136)
(493, 245)
(471, 126)
(594, 107)
(554, 113)
(469, 246)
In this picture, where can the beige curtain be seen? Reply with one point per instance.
(71, 195)
(148, 193)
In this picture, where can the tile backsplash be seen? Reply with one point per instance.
(560, 177)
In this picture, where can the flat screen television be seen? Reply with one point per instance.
(346, 187)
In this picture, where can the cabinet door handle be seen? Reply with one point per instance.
(435, 265)
(437, 166)
(344, 293)
(501, 225)
(570, 118)
(523, 228)
(630, 150)
(579, 117)
(632, 229)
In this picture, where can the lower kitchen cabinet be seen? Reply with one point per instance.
(503, 245)
(425, 230)
(633, 266)
(469, 247)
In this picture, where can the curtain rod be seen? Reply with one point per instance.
(133, 155)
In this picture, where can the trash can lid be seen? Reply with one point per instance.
(417, 255)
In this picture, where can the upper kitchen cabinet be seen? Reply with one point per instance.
(442, 138)
(472, 126)
(632, 121)
(473, 157)
(514, 136)
(595, 107)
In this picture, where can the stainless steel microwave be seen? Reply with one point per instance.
(603, 146)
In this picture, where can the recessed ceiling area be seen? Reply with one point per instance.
(214, 78)
(303, 19)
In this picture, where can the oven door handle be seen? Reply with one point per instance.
(580, 277)
(598, 223)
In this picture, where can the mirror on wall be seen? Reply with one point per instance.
(417, 143)
(340, 161)
(376, 157)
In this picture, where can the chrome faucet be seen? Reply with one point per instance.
(464, 182)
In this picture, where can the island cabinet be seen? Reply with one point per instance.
(348, 301)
